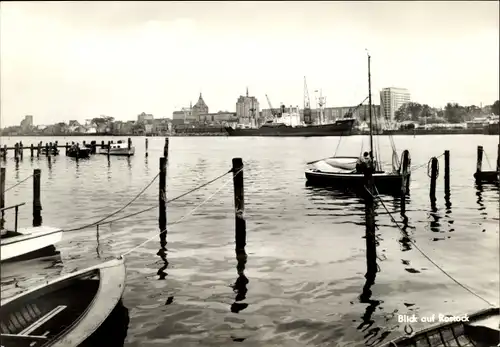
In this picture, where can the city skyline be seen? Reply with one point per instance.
(64, 60)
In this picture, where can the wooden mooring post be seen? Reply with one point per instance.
(21, 150)
(109, 147)
(162, 199)
(447, 174)
(498, 158)
(371, 246)
(47, 150)
(39, 149)
(4, 153)
(479, 162)
(32, 151)
(434, 174)
(146, 146)
(16, 151)
(37, 205)
(404, 179)
(239, 207)
(165, 148)
(2, 196)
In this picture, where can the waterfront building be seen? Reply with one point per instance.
(391, 99)
(247, 110)
(144, 117)
(199, 108)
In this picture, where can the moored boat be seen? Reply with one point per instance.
(29, 240)
(66, 311)
(341, 172)
(76, 151)
(481, 329)
(118, 148)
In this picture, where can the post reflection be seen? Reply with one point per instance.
(162, 253)
(17, 170)
(435, 217)
(479, 200)
(129, 163)
(240, 285)
(98, 243)
(371, 271)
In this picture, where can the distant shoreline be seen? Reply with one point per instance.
(415, 132)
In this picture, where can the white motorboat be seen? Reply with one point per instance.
(118, 148)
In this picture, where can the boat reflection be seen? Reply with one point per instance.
(113, 331)
(240, 285)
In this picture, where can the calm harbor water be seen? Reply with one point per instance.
(306, 252)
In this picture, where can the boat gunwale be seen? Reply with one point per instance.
(444, 325)
(64, 279)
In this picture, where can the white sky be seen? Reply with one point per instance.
(64, 60)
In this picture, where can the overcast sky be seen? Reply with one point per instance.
(65, 60)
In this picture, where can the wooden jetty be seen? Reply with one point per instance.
(26, 243)
(52, 148)
(491, 176)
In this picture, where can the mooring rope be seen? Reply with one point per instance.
(183, 217)
(426, 256)
(120, 209)
(101, 221)
(426, 164)
(168, 201)
(18, 183)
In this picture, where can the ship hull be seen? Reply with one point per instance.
(340, 128)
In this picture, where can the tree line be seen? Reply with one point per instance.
(452, 112)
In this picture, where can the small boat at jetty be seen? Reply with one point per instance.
(52, 151)
(75, 151)
(26, 241)
(118, 148)
(342, 172)
(66, 311)
(481, 330)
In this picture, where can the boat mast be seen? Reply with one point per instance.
(370, 109)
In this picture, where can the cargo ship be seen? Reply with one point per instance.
(286, 122)
(341, 127)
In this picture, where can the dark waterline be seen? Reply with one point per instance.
(305, 282)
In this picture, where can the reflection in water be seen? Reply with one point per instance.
(146, 166)
(479, 201)
(162, 253)
(17, 169)
(371, 272)
(129, 164)
(109, 168)
(240, 285)
(49, 165)
(434, 224)
(113, 331)
(98, 244)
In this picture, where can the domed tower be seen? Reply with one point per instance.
(199, 108)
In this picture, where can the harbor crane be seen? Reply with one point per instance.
(274, 112)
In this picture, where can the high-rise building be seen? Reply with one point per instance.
(391, 99)
(247, 110)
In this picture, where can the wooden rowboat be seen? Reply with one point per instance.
(66, 311)
(482, 330)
